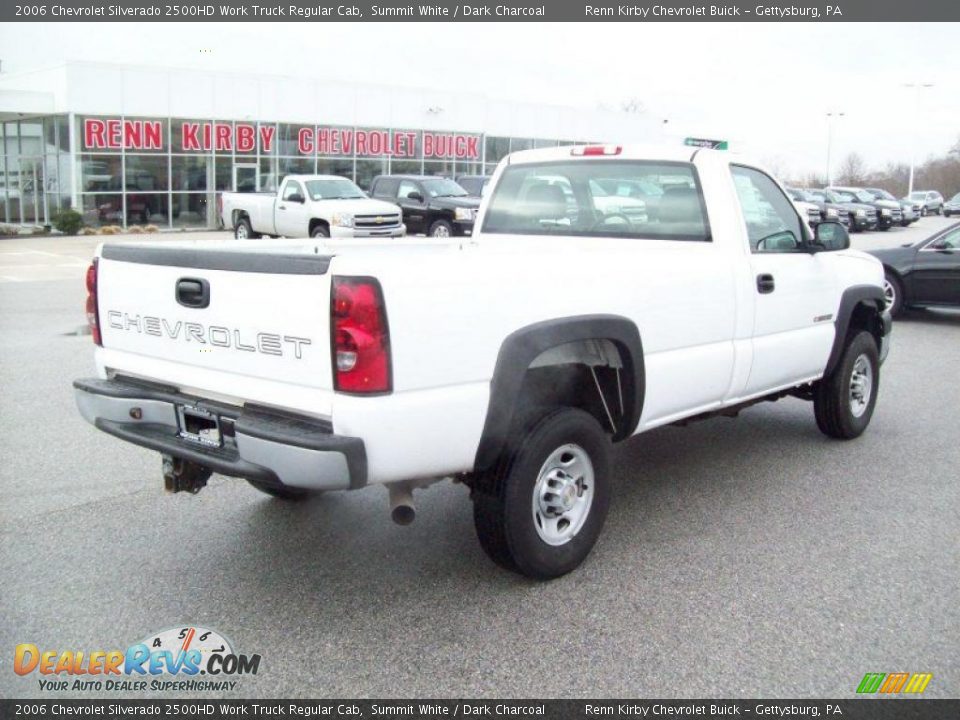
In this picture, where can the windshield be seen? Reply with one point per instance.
(840, 197)
(918, 196)
(955, 198)
(443, 187)
(863, 196)
(882, 194)
(599, 199)
(801, 195)
(333, 189)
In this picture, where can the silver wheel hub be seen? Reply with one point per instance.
(563, 494)
(241, 232)
(861, 385)
(441, 231)
(889, 293)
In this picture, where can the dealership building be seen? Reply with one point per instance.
(132, 145)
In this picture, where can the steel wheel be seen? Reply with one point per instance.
(441, 231)
(861, 385)
(563, 494)
(241, 232)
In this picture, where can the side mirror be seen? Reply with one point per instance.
(296, 197)
(831, 235)
(414, 195)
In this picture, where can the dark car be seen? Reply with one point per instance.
(862, 216)
(828, 210)
(925, 273)
(952, 206)
(475, 185)
(889, 212)
(910, 210)
(436, 206)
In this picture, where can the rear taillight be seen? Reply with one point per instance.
(93, 311)
(359, 336)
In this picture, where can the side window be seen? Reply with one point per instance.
(773, 224)
(385, 188)
(292, 188)
(407, 187)
(950, 241)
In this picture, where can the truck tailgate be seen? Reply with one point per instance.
(235, 322)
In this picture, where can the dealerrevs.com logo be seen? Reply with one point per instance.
(173, 659)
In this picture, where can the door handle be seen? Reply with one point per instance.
(193, 292)
(281, 207)
(765, 284)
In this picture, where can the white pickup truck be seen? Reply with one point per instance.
(310, 206)
(509, 361)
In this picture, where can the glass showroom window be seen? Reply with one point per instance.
(101, 202)
(497, 148)
(296, 166)
(367, 170)
(192, 210)
(147, 176)
(335, 166)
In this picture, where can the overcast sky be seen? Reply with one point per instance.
(766, 87)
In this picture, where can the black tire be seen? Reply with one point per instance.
(284, 492)
(832, 396)
(896, 287)
(320, 231)
(244, 230)
(441, 228)
(884, 228)
(503, 498)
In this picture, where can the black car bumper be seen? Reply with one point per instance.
(252, 442)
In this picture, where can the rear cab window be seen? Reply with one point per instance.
(648, 200)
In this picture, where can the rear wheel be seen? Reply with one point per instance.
(541, 510)
(843, 403)
(244, 231)
(284, 492)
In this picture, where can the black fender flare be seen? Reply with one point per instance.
(522, 347)
(869, 295)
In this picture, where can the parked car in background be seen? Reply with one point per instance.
(436, 206)
(863, 216)
(828, 210)
(809, 209)
(910, 210)
(475, 185)
(931, 200)
(889, 212)
(924, 273)
(952, 206)
(317, 206)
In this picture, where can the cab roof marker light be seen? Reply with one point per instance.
(595, 150)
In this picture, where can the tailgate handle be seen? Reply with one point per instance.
(193, 292)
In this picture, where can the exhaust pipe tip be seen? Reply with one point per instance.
(403, 514)
(402, 510)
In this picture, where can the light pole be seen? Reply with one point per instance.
(913, 130)
(830, 117)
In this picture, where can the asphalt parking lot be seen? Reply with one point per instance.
(749, 557)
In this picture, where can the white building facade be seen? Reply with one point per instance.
(135, 145)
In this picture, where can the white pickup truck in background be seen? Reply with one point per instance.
(310, 206)
(510, 362)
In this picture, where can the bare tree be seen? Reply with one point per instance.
(853, 170)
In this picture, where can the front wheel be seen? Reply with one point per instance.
(541, 510)
(843, 402)
(320, 231)
(441, 229)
